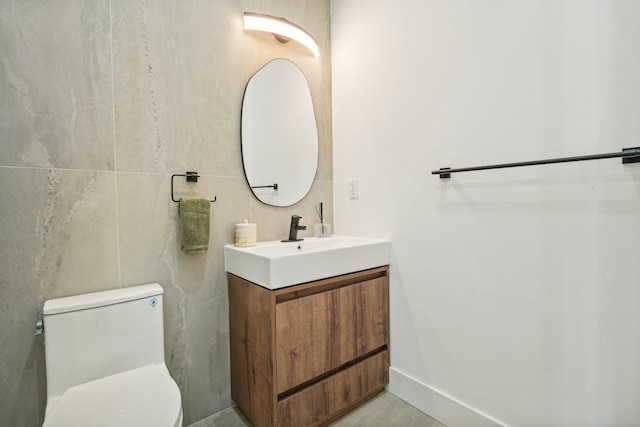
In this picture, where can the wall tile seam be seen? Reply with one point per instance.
(44, 168)
(115, 144)
(200, 175)
(48, 168)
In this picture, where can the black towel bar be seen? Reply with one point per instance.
(191, 177)
(629, 155)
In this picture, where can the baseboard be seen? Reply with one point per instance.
(437, 404)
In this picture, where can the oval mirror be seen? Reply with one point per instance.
(279, 134)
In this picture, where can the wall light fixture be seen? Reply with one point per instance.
(282, 30)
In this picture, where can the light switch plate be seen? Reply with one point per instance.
(354, 192)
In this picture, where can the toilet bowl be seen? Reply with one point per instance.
(105, 361)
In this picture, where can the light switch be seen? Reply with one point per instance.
(353, 189)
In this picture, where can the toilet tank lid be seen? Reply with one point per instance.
(100, 299)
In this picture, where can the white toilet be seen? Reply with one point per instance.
(105, 361)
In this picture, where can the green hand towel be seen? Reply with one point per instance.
(195, 216)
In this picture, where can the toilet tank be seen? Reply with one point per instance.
(95, 335)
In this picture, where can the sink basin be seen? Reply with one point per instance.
(276, 264)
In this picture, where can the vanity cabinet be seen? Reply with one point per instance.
(305, 355)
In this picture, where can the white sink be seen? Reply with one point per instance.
(278, 264)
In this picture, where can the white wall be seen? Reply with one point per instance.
(514, 292)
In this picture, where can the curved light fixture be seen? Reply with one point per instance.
(282, 29)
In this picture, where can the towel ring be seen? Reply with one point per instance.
(191, 177)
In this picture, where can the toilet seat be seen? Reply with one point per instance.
(146, 396)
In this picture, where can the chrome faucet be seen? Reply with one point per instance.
(293, 229)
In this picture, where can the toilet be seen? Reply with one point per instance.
(105, 361)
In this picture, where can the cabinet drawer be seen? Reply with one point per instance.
(364, 319)
(321, 332)
(315, 404)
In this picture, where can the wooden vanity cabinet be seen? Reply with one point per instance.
(305, 355)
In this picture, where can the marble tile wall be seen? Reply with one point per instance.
(101, 101)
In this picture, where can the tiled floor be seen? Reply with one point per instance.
(383, 410)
